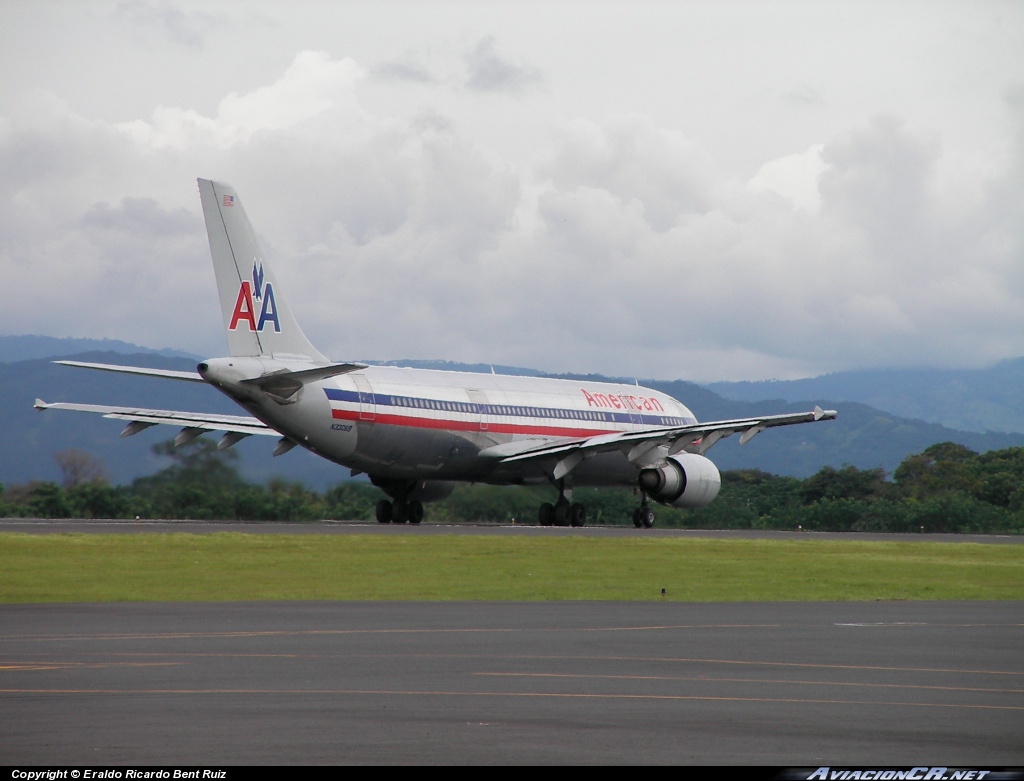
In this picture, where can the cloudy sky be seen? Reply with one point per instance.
(697, 190)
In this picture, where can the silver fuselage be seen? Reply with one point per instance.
(421, 424)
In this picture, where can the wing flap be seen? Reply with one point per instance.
(520, 446)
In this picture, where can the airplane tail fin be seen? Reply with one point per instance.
(257, 318)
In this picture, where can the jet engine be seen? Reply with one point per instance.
(684, 480)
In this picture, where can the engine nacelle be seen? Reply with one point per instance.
(685, 480)
(432, 490)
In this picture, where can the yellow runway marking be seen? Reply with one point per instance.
(749, 680)
(539, 695)
(632, 660)
(835, 666)
(83, 665)
(470, 630)
(313, 632)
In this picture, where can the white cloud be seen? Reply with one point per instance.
(804, 96)
(490, 72)
(312, 84)
(167, 21)
(623, 246)
(407, 68)
(632, 158)
(794, 177)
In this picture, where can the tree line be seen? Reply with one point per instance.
(945, 488)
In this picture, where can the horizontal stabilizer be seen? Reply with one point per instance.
(304, 376)
(282, 386)
(167, 374)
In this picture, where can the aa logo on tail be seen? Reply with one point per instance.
(245, 305)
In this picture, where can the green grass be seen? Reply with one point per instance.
(187, 567)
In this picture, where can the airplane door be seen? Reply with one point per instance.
(367, 406)
(479, 401)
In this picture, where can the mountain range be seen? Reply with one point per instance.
(988, 399)
(864, 435)
(27, 347)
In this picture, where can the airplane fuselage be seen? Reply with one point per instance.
(401, 423)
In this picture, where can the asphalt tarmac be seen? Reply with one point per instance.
(100, 526)
(887, 683)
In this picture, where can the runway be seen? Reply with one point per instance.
(104, 526)
(905, 683)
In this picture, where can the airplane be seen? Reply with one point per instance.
(416, 432)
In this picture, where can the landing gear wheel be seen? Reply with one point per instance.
(561, 513)
(637, 522)
(399, 511)
(546, 515)
(383, 511)
(415, 512)
(577, 514)
(646, 516)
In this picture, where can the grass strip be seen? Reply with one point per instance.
(227, 566)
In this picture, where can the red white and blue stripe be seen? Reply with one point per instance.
(425, 412)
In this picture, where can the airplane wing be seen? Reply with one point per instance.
(637, 444)
(236, 427)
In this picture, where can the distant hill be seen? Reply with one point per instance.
(989, 399)
(30, 437)
(862, 436)
(25, 348)
(455, 366)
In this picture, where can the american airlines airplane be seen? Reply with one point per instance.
(417, 432)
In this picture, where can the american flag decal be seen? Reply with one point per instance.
(229, 200)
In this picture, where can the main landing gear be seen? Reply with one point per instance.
(564, 512)
(643, 516)
(399, 511)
